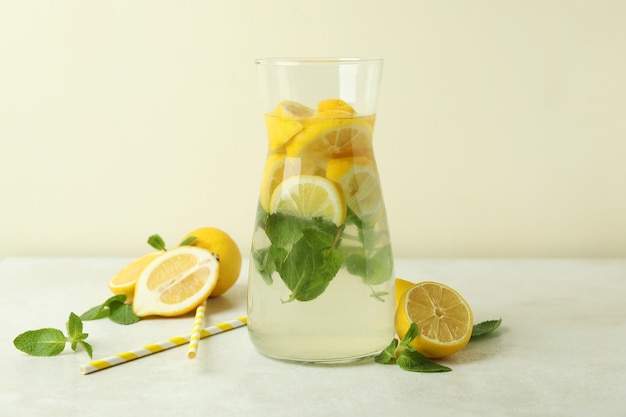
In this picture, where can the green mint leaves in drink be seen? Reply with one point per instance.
(51, 342)
(303, 252)
(307, 254)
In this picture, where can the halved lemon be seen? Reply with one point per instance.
(124, 281)
(359, 181)
(224, 246)
(332, 138)
(176, 282)
(309, 196)
(444, 319)
(402, 286)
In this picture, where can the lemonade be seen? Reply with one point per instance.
(321, 270)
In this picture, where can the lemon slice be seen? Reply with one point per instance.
(332, 138)
(309, 196)
(285, 122)
(360, 184)
(443, 317)
(176, 282)
(280, 130)
(278, 167)
(124, 281)
(334, 104)
(288, 108)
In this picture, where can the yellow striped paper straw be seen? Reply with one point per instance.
(198, 324)
(150, 349)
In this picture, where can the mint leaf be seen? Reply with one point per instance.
(119, 298)
(284, 231)
(409, 336)
(317, 239)
(188, 241)
(356, 264)
(115, 309)
(413, 361)
(389, 354)
(307, 272)
(378, 295)
(75, 333)
(156, 242)
(264, 264)
(302, 252)
(42, 342)
(485, 327)
(74, 327)
(352, 217)
(122, 314)
(95, 313)
(379, 266)
(87, 348)
(373, 269)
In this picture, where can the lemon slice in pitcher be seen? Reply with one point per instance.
(359, 181)
(279, 167)
(285, 122)
(309, 196)
(329, 138)
(332, 104)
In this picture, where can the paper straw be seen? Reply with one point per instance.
(150, 349)
(198, 324)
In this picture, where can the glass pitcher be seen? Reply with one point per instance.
(321, 281)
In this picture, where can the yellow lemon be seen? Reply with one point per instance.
(176, 282)
(443, 317)
(124, 281)
(220, 243)
(309, 196)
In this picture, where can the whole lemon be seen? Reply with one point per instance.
(220, 243)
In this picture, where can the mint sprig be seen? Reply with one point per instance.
(115, 309)
(406, 357)
(51, 342)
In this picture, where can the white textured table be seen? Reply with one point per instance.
(561, 350)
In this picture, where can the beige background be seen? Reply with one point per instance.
(501, 129)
